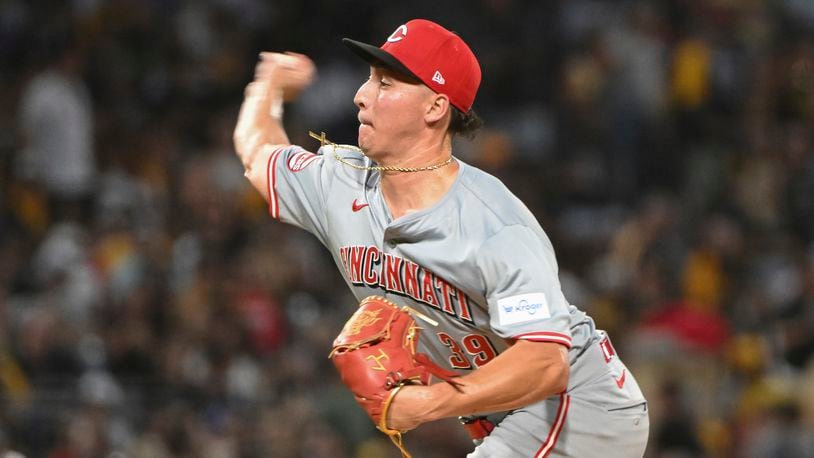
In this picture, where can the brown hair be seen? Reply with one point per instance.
(465, 124)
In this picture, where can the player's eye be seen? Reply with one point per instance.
(384, 82)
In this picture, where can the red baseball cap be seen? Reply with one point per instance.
(430, 53)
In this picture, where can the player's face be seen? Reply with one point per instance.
(391, 113)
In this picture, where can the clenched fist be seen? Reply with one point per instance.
(281, 74)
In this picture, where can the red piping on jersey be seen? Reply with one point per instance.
(271, 182)
(299, 161)
(543, 336)
(556, 427)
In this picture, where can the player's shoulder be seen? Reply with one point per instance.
(496, 203)
(348, 153)
(347, 162)
(298, 157)
(498, 218)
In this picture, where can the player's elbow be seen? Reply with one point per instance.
(548, 369)
(241, 143)
(237, 143)
(556, 372)
(559, 374)
(247, 147)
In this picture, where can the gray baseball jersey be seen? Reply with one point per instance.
(477, 262)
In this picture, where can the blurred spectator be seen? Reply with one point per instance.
(56, 124)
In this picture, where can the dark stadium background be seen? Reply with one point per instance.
(150, 308)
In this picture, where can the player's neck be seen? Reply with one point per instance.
(408, 192)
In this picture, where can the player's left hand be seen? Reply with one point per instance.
(376, 357)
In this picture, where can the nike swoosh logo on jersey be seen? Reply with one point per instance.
(620, 382)
(357, 206)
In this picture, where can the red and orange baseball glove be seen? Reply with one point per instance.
(375, 355)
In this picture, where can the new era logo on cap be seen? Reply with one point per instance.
(398, 35)
(431, 53)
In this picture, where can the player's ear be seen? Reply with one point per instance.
(437, 109)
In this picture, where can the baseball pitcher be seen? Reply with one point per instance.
(461, 310)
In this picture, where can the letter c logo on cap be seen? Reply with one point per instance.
(399, 34)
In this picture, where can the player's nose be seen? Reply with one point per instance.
(360, 99)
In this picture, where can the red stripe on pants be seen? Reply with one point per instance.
(556, 428)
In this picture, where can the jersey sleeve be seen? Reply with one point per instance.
(298, 183)
(522, 288)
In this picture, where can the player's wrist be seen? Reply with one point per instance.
(412, 406)
(435, 402)
(276, 104)
(267, 100)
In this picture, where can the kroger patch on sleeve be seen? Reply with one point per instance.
(522, 308)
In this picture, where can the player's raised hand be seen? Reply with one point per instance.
(277, 77)
(281, 73)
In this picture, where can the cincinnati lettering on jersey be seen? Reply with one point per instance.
(367, 265)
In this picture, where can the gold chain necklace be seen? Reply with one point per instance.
(379, 168)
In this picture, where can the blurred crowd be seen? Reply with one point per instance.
(149, 307)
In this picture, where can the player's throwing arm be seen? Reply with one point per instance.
(277, 78)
